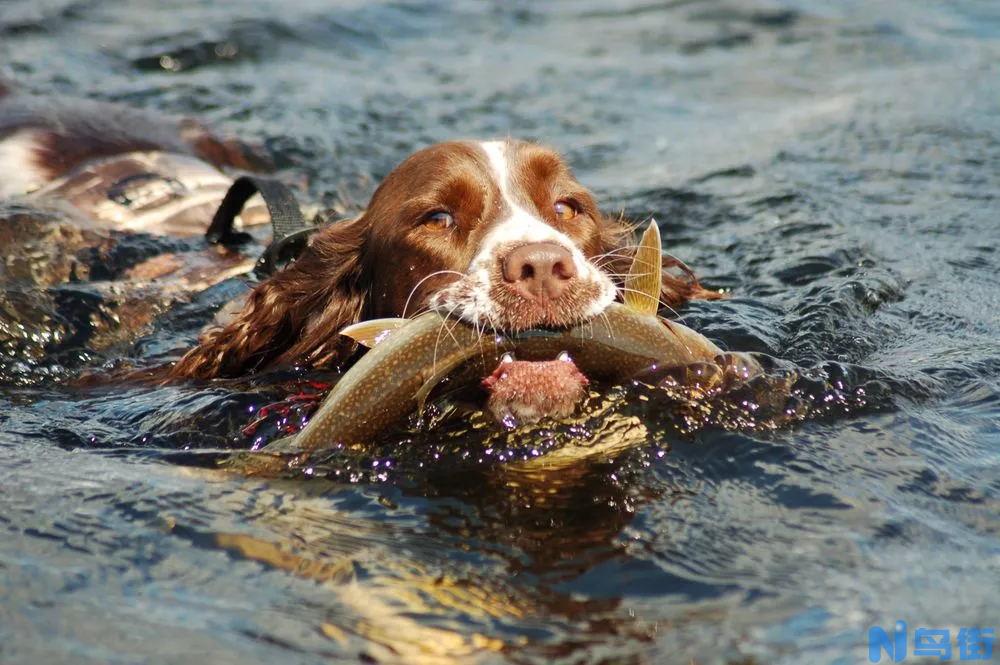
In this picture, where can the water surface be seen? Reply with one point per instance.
(835, 165)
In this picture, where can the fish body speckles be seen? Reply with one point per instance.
(394, 377)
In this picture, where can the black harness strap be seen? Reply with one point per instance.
(289, 230)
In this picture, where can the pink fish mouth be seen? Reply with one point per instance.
(522, 391)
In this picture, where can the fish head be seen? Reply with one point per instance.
(523, 391)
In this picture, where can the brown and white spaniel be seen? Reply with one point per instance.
(497, 233)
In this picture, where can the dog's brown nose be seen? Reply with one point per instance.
(539, 269)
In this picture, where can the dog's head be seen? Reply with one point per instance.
(497, 233)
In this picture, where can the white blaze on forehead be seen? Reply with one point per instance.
(496, 151)
(20, 172)
(518, 225)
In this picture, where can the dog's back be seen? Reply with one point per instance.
(45, 138)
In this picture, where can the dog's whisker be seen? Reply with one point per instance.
(607, 324)
(437, 340)
(451, 330)
(406, 305)
(621, 252)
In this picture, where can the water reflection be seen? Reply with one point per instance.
(524, 532)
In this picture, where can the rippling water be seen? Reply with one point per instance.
(835, 165)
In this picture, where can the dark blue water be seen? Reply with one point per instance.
(835, 165)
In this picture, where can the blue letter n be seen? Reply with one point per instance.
(879, 641)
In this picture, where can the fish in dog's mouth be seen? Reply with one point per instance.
(409, 357)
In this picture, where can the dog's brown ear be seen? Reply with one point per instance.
(618, 239)
(293, 317)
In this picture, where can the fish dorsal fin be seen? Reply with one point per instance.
(370, 333)
(642, 286)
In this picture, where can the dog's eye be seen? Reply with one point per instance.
(439, 220)
(565, 210)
